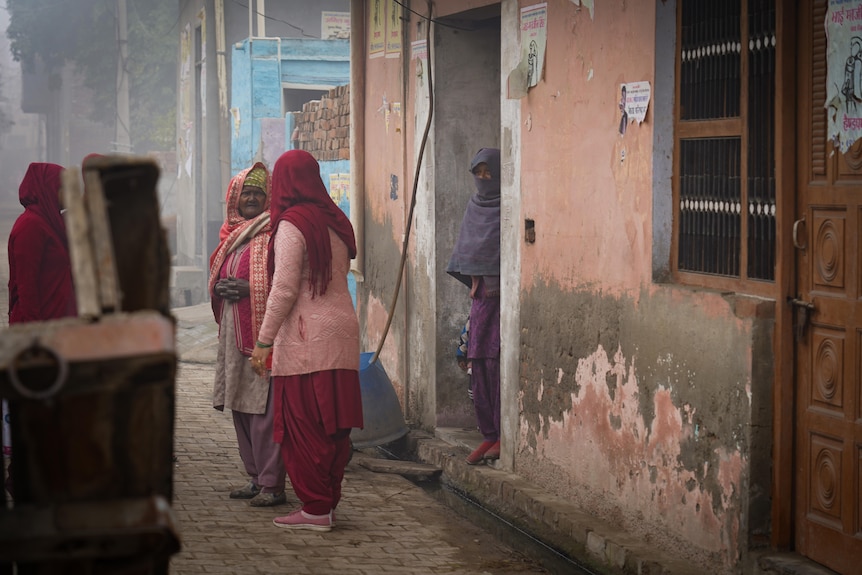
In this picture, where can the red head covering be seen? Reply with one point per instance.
(40, 193)
(300, 197)
(233, 219)
(234, 232)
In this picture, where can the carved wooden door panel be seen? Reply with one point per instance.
(828, 490)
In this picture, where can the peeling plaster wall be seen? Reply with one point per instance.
(384, 222)
(646, 404)
(641, 409)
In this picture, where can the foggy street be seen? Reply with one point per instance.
(386, 524)
(599, 262)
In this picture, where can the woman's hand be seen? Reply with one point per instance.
(232, 289)
(475, 287)
(258, 359)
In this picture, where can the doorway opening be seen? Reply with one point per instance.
(466, 118)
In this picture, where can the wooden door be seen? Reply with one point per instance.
(828, 457)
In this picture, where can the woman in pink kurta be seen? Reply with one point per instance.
(311, 328)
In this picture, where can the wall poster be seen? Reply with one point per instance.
(377, 29)
(393, 31)
(844, 72)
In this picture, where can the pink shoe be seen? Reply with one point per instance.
(302, 520)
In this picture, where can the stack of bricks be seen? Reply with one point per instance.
(323, 126)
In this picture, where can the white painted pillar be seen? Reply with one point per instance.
(510, 237)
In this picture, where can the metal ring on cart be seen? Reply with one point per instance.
(51, 390)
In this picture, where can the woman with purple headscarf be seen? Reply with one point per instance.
(475, 262)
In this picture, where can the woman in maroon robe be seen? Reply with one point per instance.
(40, 272)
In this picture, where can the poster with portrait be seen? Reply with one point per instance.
(377, 28)
(844, 72)
(528, 72)
(634, 103)
(534, 34)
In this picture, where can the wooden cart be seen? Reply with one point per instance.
(92, 398)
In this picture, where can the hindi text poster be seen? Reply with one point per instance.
(393, 31)
(334, 25)
(377, 29)
(534, 27)
(844, 72)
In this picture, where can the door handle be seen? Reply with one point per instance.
(796, 226)
(804, 309)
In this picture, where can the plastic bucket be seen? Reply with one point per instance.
(381, 411)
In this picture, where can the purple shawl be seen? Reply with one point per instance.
(477, 250)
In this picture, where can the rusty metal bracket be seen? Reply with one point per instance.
(40, 351)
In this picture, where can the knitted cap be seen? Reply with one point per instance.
(257, 178)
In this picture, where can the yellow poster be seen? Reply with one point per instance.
(377, 29)
(339, 189)
(393, 30)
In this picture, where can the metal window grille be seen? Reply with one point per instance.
(715, 197)
(710, 205)
(761, 139)
(710, 67)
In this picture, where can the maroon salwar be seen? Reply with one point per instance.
(315, 413)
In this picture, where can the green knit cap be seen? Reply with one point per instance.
(257, 178)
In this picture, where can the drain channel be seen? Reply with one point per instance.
(553, 560)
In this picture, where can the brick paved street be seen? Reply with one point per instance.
(386, 524)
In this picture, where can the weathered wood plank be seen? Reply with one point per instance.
(80, 248)
(103, 247)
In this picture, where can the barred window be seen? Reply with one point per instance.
(724, 170)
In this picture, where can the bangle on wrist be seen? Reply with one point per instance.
(262, 345)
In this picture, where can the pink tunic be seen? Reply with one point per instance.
(309, 334)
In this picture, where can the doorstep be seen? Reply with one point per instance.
(790, 564)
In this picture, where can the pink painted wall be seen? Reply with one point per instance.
(624, 386)
(591, 207)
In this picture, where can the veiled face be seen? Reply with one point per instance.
(252, 201)
(482, 171)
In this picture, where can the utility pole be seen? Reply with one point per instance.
(261, 18)
(122, 141)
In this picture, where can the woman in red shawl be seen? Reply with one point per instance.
(239, 284)
(311, 326)
(40, 272)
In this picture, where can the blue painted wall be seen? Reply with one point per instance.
(258, 74)
(256, 99)
(255, 94)
(326, 170)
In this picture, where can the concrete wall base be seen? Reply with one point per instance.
(188, 286)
